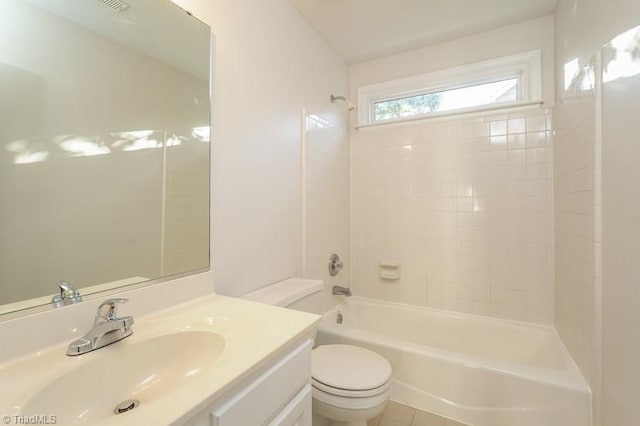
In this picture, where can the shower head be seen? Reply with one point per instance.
(335, 98)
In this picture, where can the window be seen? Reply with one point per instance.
(505, 82)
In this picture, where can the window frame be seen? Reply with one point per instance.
(525, 66)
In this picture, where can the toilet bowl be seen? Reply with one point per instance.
(350, 385)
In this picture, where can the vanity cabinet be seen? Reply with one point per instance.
(278, 394)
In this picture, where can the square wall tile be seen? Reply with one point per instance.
(479, 194)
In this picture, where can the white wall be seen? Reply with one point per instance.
(269, 64)
(582, 28)
(510, 40)
(621, 252)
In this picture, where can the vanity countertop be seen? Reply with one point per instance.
(248, 336)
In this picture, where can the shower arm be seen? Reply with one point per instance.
(333, 98)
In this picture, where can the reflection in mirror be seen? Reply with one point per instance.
(621, 56)
(104, 145)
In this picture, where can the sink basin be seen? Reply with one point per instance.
(143, 370)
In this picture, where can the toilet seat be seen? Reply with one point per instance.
(349, 371)
(349, 393)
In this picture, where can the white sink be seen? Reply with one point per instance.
(143, 370)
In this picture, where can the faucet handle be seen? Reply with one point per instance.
(108, 309)
(68, 295)
(67, 289)
(335, 265)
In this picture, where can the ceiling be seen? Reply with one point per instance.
(361, 30)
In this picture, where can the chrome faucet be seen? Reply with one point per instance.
(342, 291)
(107, 329)
(68, 295)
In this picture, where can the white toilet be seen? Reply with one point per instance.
(350, 385)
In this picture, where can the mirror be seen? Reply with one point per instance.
(104, 145)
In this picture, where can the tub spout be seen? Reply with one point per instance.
(342, 291)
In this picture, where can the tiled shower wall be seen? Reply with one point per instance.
(577, 197)
(326, 200)
(575, 277)
(464, 207)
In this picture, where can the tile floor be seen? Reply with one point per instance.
(402, 415)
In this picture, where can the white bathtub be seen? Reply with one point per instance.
(477, 370)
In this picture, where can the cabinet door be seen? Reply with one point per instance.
(265, 397)
(297, 412)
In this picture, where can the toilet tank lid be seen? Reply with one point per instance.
(284, 293)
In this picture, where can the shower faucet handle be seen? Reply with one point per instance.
(335, 265)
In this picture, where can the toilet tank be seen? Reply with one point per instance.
(294, 293)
